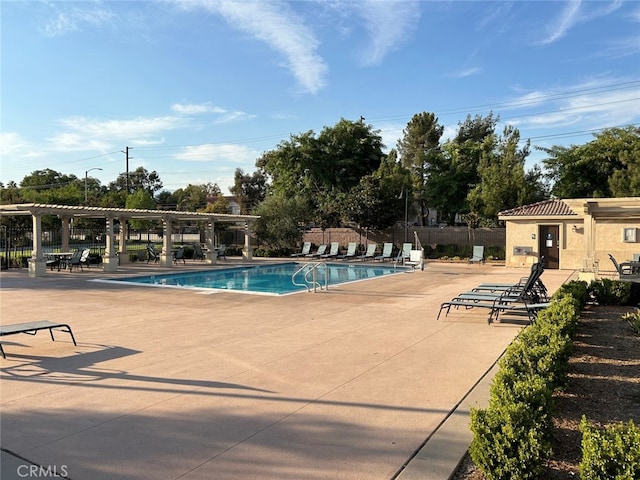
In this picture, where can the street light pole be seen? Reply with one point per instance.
(86, 177)
(406, 211)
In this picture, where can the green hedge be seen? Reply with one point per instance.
(512, 437)
(613, 452)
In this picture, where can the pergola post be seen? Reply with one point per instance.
(37, 263)
(166, 256)
(211, 255)
(247, 253)
(123, 254)
(65, 233)
(109, 259)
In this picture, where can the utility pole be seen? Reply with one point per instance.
(126, 154)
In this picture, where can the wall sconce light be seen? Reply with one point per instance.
(574, 228)
(533, 236)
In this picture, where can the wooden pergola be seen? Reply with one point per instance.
(110, 261)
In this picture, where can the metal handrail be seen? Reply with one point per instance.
(311, 269)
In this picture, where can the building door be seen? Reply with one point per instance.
(550, 245)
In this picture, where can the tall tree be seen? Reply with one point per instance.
(140, 178)
(319, 168)
(250, 190)
(604, 167)
(377, 201)
(453, 171)
(502, 176)
(419, 149)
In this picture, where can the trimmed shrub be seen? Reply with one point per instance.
(508, 443)
(610, 453)
(610, 292)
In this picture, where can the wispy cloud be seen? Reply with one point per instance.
(196, 108)
(234, 153)
(468, 72)
(575, 13)
(70, 18)
(561, 25)
(389, 25)
(83, 133)
(276, 24)
(599, 106)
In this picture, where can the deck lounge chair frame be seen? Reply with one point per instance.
(306, 248)
(350, 253)
(333, 251)
(319, 252)
(32, 328)
(517, 299)
(370, 253)
(387, 250)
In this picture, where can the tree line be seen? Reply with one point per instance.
(342, 175)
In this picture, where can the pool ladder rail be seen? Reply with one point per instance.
(309, 272)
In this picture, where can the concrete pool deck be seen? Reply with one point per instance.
(168, 383)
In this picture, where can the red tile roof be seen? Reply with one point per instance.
(547, 208)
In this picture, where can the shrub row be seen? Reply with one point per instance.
(512, 437)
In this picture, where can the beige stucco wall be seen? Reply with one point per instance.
(608, 239)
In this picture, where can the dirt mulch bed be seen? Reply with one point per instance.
(604, 385)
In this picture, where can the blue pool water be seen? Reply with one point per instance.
(267, 279)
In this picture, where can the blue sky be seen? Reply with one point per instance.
(199, 88)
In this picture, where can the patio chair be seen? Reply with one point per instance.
(152, 255)
(78, 258)
(478, 255)
(625, 270)
(370, 253)
(350, 253)
(318, 253)
(306, 248)
(387, 249)
(179, 255)
(198, 254)
(333, 251)
(222, 251)
(50, 260)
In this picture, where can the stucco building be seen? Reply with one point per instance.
(575, 234)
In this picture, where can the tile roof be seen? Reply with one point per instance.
(546, 208)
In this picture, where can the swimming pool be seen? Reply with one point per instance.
(274, 279)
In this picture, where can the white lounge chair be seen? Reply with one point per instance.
(478, 254)
(370, 253)
(350, 253)
(387, 249)
(306, 248)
